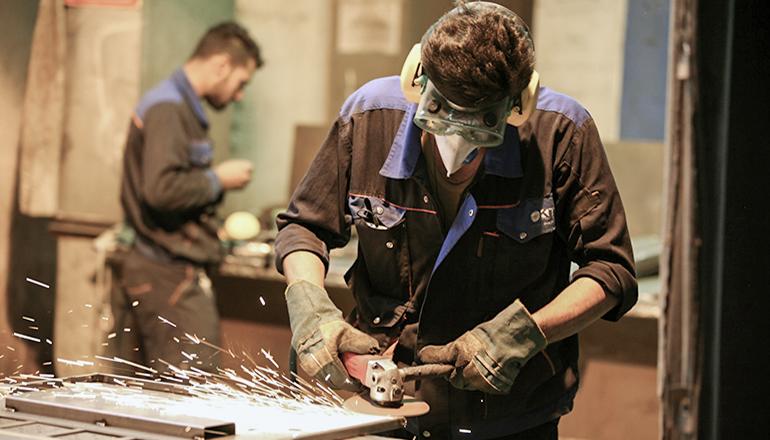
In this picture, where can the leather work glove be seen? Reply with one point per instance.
(488, 357)
(319, 334)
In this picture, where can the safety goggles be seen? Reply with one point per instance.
(483, 126)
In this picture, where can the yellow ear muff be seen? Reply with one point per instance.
(411, 70)
(528, 101)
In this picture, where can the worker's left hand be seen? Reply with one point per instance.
(488, 357)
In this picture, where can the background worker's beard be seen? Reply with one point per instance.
(219, 97)
(215, 103)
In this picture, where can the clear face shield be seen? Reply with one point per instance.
(482, 126)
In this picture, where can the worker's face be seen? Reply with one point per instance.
(232, 79)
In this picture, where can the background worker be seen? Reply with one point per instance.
(170, 192)
(472, 190)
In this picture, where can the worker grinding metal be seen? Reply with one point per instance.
(169, 195)
(472, 190)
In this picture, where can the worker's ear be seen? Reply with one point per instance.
(525, 105)
(221, 64)
(410, 72)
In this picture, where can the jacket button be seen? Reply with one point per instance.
(523, 235)
(389, 245)
(425, 199)
(426, 434)
(535, 216)
(379, 210)
(376, 320)
(470, 213)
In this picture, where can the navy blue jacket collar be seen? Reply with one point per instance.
(503, 161)
(182, 83)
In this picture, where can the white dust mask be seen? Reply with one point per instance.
(453, 149)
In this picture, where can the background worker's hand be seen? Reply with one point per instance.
(234, 173)
(319, 334)
(488, 357)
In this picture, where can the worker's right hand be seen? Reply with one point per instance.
(319, 334)
(489, 356)
(234, 173)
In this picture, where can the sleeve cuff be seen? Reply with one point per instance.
(622, 286)
(295, 238)
(215, 184)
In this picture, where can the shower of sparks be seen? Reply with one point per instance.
(269, 357)
(166, 321)
(135, 303)
(27, 318)
(262, 300)
(30, 280)
(123, 361)
(34, 327)
(75, 363)
(88, 305)
(194, 339)
(214, 390)
(464, 431)
(29, 338)
(48, 341)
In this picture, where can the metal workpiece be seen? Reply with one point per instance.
(100, 406)
(104, 404)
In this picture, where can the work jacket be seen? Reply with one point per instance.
(542, 200)
(169, 193)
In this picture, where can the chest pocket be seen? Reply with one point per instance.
(201, 153)
(525, 240)
(382, 236)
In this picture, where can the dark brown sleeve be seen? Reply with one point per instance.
(316, 219)
(591, 218)
(170, 182)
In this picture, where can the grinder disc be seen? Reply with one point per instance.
(411, 407)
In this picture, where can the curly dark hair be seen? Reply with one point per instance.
(479, 52)
(231, 38)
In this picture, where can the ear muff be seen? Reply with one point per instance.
(527, 100)
(410, 72)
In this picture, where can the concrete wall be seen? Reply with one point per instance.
(579, 46)
(17, 18)
(102, 85)
(638, 171)
(290, 89)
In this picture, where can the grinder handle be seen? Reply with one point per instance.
(426, 371)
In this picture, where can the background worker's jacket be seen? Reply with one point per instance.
(169, 192)
(542, 199)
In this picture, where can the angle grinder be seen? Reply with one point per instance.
(384, 381)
